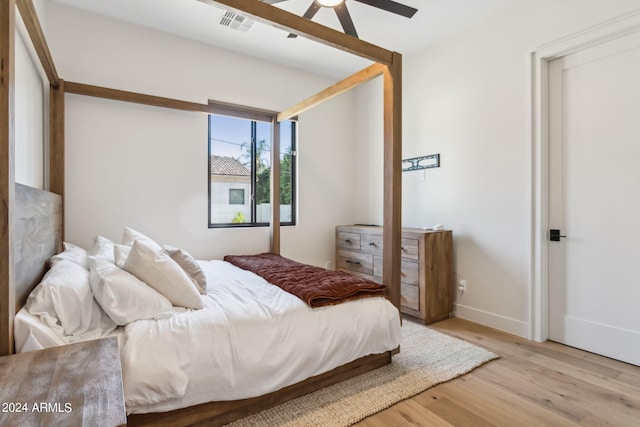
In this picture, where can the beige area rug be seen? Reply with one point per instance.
(426, 358)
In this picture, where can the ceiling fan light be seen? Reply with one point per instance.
(329, 3)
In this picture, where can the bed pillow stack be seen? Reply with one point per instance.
(186, 262)
(86, 294)
(64, 301)
(123, 296)
(154, 267)
(139, 260)
(147, 260)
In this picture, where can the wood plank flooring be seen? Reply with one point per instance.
(532, 384)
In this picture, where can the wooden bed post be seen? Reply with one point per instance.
(7, 172)
(275, 188)
(56, 138)
(56, 142)
(392, 220)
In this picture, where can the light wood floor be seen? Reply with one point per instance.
(532, 384)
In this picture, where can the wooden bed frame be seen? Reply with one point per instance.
(31, 221)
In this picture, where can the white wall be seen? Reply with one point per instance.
(146, 167)
(369, 179)
(29, 113)
(469, 99)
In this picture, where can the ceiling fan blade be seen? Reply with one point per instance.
(313, 9)
(391, 6)
(310, 13)
(345, 20)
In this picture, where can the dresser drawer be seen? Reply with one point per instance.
(372, 243)
(409, 270)
(410, 296)
(355, 261)
(348, 240)
(409, 248)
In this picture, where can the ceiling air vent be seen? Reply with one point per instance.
(236, 22)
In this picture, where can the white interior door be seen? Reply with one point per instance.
(594, 199)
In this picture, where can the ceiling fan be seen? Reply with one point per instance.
(344, 16)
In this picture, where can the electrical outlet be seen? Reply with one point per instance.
(327, 265)
(462, 286)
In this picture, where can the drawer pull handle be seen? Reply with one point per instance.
(347, 241)
(353, 262)
(372, 244)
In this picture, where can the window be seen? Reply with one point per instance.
(240, 170)
(236, 196)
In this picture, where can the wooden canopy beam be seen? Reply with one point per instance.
(31, 21)
(342, 86)
(7, 173)
(289, 22)
(138, 98)
(392, 217)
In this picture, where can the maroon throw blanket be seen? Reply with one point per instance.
(314, 285)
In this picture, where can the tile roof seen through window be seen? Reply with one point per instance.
(228, 166)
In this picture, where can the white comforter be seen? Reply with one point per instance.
(250, 338)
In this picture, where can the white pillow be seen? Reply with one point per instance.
(72, 253)
(123, 296)
(102, 248)
(121, 253)
(130, 235)
(64, 299)
(190, 266)
(163, 274)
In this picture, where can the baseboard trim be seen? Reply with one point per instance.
(599, 338)
(492, 320)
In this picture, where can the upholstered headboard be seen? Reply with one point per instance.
(37, 235)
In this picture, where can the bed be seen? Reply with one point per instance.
(38, 218)
(248, 338)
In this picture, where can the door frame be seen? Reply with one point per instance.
(540, 58)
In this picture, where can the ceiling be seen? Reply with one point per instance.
(192, 19)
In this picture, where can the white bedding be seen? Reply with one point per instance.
(251, 338)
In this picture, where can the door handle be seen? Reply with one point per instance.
(554, 235)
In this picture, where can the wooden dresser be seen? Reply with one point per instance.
(427, 283)
(72, 385)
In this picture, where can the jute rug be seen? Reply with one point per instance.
(426, 358)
